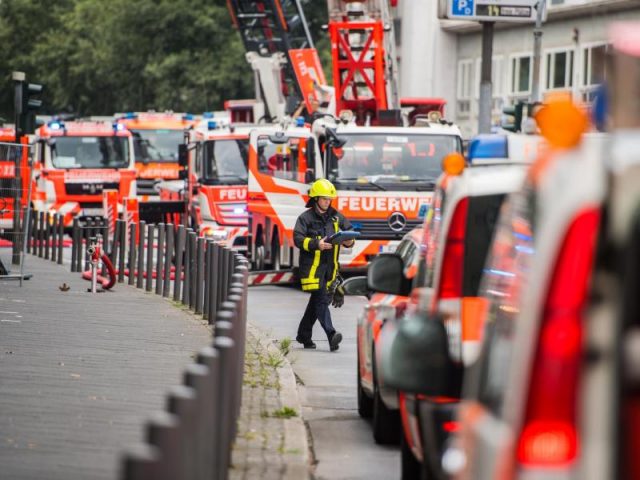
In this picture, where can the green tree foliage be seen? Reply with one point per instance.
(98, 57)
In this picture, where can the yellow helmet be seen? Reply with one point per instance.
(322, 188)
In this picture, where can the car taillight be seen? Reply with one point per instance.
(453, 260)
(549, 436)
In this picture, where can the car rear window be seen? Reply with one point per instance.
(481, 222)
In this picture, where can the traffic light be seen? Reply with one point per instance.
(512, 117)
(27, 103)
(31, 104)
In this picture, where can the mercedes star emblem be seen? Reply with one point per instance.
(397, 221)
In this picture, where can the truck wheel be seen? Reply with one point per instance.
(275, 253)
(259, 262)
(365, 403)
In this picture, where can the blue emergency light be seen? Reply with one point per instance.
(212, 124)
(206, 115)
(487, 146)
(130, 115)
(55, 125)
(300, 122)
(187, 116)
(118, 127)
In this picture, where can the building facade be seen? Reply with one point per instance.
(442, 58)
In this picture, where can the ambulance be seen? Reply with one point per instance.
(156, 138)
(75, 161)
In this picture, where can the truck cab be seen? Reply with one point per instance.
(156, 136)
(385, 177)
(219, 164)
(75, 161)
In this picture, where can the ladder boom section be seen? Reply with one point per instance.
(364, 58)
(272, 29)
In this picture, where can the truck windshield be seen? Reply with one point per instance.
(157, 145)
(391, 158)
(90, 152)
(225, 161)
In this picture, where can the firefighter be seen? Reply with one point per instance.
(319, 262)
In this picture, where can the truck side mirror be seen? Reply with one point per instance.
(414, 357)
(183, 155)
(309, 176)
(386, 275)
(356, 286)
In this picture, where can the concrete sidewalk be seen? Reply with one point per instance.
(272, 439)
(80, 373)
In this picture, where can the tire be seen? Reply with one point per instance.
(275, 253)
(259, 262)
(365, 403)
(386, 422)
(409, 465)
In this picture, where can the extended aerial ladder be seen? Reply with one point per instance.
(276, 37)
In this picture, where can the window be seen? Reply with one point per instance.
(505, 276)
(520, 75)
(559, 69)
(593, 69)
(283, 160)
(465, 87)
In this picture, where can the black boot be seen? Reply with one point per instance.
(306, 343)
(334, 341)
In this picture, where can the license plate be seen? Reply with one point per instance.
(387, 248)
(92, 212)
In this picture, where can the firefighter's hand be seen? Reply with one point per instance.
(338, 297)
(324, 245)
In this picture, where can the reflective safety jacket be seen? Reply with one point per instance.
(318, 269)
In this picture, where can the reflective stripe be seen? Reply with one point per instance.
(336, 227)
(311, 282)
(305, 281)
(315, 265)
(305, 243)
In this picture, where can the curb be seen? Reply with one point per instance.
(296, 460)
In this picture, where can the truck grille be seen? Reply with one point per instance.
(380, 229)
(89, 188)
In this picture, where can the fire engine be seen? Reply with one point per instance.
(219, 162)
(156, 139)
(8, 176)
(385, 178)
(75, 161)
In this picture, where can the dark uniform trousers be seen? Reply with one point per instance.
(317, 268)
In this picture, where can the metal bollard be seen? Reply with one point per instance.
(123, 247)
(192, 270)
(74, 245)
(226, 327)
(160, 259)
(163, 432)
(199, 282)
(231, 262)
(186, 283)
(204, 381)
(40, 234)
(141, 462)
(168, 252)
(60, 238)
(177, 283)
(142, 236)
(208, 256)
(210, 358)
(225, 347)
(133, 228)
(31, 232)
(214, 275)
(150, 239)
(224, 275)
(54, 237)
(182, 402)
(47, 236)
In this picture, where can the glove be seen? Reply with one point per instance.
(337, 292)
(338, 297)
